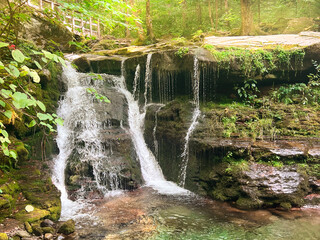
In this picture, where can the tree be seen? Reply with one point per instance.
(247, 27)
(150, 34)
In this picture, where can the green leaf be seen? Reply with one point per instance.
(1, 191)
(4, 133)
(5, 150)
(6, 93)
(2, 44)
(44, 60)
(2, 103)
(13, 87)
(48, 55)
(1, 81)
(8, 114)
(34, 76)
(61, 60)
(38, 64)
(32, 124)
(41, 106)
(1, 65)
(44, 117)
(59, 121)
(13, 154)
(36, 52)
(12, 70)
(21, 100)
(18, 56)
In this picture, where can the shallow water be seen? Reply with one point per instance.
(144, 214)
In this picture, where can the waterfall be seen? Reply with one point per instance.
(155, 141)
(80, 138)
(150, 169)
(136, 85)
(195, 115)
(148, 81)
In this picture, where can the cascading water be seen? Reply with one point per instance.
(150, 169)
(154, 131)
(195, 115)
(80, 138)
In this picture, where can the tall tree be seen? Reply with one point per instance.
(216, 14)
(247, 27)
(150, 33)
(210, 14)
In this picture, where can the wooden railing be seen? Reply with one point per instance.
(75, 25)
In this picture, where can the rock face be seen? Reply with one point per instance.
(43, 33)
(252, 173)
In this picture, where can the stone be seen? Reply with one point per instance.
(48, 236)
(28, 227)
(37, 230)
(3, 236)
(33, 216)
(22, 234)
(47, 223)
(67, 227)
(48, 230)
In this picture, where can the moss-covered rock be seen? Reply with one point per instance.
(67, 227)
(33, 216)
(28, 227)
(3, 236)
(248, 203)
(48, 230)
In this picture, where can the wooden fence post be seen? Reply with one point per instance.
(73, 23)
(83, 29)
(40, 3)
(52, 6)
(90, 22)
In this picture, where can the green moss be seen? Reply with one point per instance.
(48, 230)
(55, 213)
(28, 227)
(33, 216)
(67, 227)
(248, 203)
(286, 205)
(3, 236)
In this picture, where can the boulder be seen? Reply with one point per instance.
(67, 227)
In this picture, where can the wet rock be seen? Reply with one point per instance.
(47, 223)
(248, 203)
(3, 236)
(22, 234)
(82, 63)
(312, 199)
(28, 227)
(37, 230)
(48, 230)
(48, 236)
(67, 227)
(33, 216)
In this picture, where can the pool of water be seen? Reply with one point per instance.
(144, 214)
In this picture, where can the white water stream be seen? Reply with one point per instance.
(150, 169)
(77, 108)
(195, 116)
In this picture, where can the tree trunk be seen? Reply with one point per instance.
(199, 13)
(127, 23)
(210, 14)
(259, 11)
(138, 23)
(150, 34)
(247, 27)
(216, 14)
(226, 5)
(184, 14)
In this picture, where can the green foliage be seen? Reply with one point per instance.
(80, 46)
(300, 92)
(182, 51)
(16, 96)
(248, 92)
